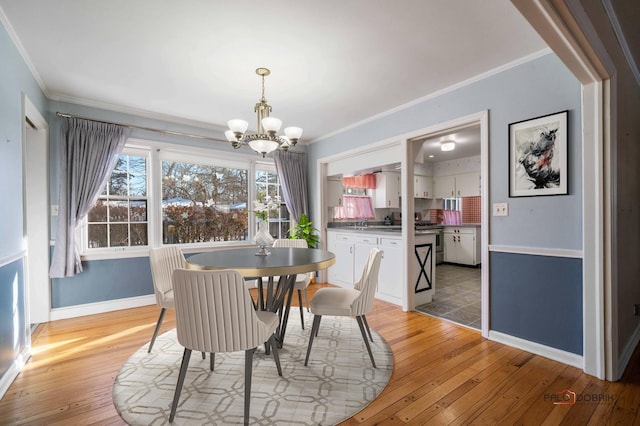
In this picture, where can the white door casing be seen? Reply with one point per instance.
(36, 217)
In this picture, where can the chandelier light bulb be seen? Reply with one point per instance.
(238, 126)
(271, 124)
(263, 146)
(293, 133)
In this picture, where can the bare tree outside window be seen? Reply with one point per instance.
(279, 221)
(119, 217)
(203, 203)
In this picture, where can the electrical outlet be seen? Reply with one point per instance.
(500, 209)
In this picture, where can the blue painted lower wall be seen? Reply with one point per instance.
(13, 327)
(537, 298)
(103, 280)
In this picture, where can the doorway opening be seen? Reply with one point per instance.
(462, 279)
(36, 214)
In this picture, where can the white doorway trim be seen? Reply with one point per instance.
(341, 162)
(557, 25)
(482, 119)
(35, 192)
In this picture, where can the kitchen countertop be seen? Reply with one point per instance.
(380, 229)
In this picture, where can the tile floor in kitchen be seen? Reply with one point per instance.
(457, 296)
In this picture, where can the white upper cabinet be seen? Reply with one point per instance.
(464, 185)
(444, 186)
(468, 185)
(387, 192)
(335, 193)
(422, 187)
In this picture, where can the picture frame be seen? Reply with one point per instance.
(538, 156)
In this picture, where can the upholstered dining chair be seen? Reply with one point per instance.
(352, 302)
(164, 260)
(215, 313)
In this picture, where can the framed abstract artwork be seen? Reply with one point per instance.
(538, 156)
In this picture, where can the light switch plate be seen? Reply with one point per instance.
(500, 209)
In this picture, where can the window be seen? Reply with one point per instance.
(120, 216)
(161, 193)
(267, 184)
(203, 203)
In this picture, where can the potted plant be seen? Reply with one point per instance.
(305, 230)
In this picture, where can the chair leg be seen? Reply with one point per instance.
(158, 324)
(306, 300)
(212, 361)
(364, 319)
(248, 367)
(260, 295)
(366, 341)
(301, 308)
(183, 372)
(276, 356)
(314, 331)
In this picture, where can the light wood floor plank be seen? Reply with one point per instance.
(443, 374)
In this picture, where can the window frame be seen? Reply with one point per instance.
(156, 152)
(271, 168)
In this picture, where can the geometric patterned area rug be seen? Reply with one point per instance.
(338, 382)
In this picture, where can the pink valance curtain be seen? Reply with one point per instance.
(355, 207)
(367, 181)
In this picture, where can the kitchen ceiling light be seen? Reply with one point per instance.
(447, 145)
(266, 140)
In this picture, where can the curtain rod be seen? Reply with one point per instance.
(149, 129)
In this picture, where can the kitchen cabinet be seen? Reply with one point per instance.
(335, 193)
(444, 186)
(352, 251)
(468, 185)
(422, 187)
(389, 278)
(387, 192)
(464, 185)
(462, 245)
(342, 245)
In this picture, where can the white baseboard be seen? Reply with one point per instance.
(101, 307)
(538, 349)
(13, 371)
(626, 354)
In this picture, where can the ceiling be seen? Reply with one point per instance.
(333, 63)
(467, 144)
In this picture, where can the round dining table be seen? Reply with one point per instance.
(282, 262)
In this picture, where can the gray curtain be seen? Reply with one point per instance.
(292, 174)
(88, 152)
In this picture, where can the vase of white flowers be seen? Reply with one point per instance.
(261, 209)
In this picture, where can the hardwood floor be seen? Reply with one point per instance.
(443, 374)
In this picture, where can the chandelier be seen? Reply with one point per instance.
(267, 139)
